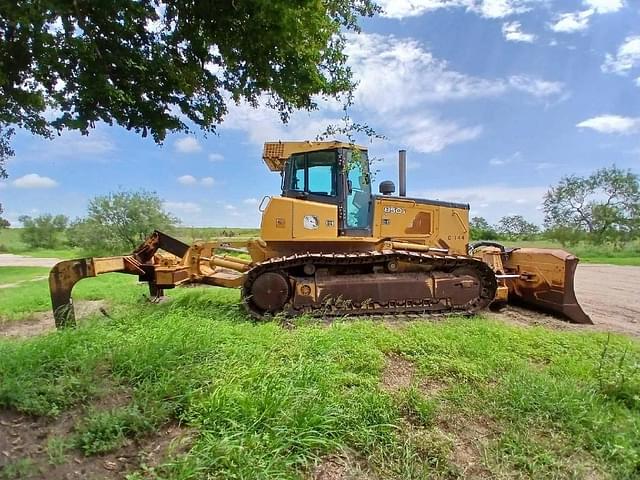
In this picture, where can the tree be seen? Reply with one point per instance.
(515, 227)
(155, 66)
(4, 223)
(119, 222)
(5, 151)
(604, 205)
(43, 231)
(481, 230)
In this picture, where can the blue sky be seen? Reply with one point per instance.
(494, 101)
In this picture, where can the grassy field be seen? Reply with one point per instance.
(10, 275)
(446, 399)
(10, 241)
(629, 254)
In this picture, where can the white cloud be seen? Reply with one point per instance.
(485, 8)
(627, 57)
(498, 162)
(187, 180)
(398, 79)
(395, 74)
(250, 201)
(412, 8)
(182, 207)
(501, 8)
(263, 124)
(188, 145)
(216, 157)
(612, 124)
(535, 86)
(512, 32)
(572, 22)
(605, 6)
(429, 134)
(638, 82)
(191, 180)
(33, 180)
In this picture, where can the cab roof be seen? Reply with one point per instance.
(275, 154)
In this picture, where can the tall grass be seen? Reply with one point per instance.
(267, 402)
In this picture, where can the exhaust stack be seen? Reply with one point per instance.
(402, 173)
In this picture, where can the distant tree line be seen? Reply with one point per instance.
(598, 208)
(114, 223)
(510, 227)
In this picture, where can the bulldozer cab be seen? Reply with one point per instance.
(335, 174)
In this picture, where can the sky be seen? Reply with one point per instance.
(494, 101)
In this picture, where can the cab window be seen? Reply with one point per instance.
(314, 173)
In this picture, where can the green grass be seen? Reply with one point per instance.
(19, 274)
(266, 402)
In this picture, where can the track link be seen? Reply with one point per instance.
(290, 266)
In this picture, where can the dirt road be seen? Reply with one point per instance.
(10, 260)
(609, 294)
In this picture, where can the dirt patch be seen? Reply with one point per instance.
(431, 387)
(10, 260)
(41, 447)
(43, 322)
(345, 466)
(398, 373)
(470, 437)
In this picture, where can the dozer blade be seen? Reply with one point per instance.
(545, 282)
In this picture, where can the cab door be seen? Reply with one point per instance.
(357, 206)
(313, 182)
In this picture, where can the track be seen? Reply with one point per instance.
(369, 283)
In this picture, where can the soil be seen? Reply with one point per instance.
(470, 436)
(607, 293)
(345, 466)
(398, 373)
(43, 322)
(28, 439)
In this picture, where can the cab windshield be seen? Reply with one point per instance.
(315, 173)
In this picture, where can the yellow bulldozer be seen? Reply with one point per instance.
(329, 247)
